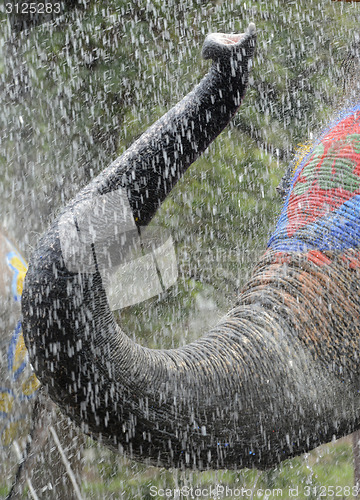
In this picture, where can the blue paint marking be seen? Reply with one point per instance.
(24, 397)
(12, 351)
(338, 230)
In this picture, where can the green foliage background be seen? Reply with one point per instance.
(76, 91)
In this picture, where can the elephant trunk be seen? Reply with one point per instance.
(257, 388)
(136, 399)
(150, 168)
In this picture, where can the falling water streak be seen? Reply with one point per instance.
(66, 463)
(28, 481)
(31, 489)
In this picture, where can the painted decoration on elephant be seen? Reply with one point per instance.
(17, 353)
(19, 267)
(321, 210)
(24, 383)
(12, 430)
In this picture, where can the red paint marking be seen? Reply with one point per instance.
(353, 261)
(318, 258)
(281, 258)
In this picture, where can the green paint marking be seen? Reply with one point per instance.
(335, 171)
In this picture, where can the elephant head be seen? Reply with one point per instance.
(278, 375)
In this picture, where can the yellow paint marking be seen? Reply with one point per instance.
(6, 402)
(30, 385)
(20, 353)
(12, 431)
(301, 150)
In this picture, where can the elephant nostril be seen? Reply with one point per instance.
(232, 38)
(224, 39)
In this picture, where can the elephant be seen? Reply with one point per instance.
(277, 376)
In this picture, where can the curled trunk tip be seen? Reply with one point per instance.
(223, 46)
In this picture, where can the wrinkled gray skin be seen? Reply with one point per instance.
(249, 393)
